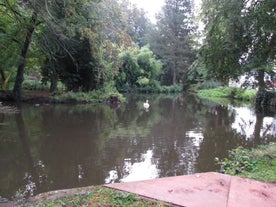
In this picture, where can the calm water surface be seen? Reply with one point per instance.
(64, 146)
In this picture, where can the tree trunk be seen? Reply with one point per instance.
(257, 129)
(261, 96)
(260, 79)
(53, 86)
(54, 81)
(174, 71)
(17, 90)
(2, 75)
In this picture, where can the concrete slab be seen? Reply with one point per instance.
(207, 189)
(204, 189)
(246, 192)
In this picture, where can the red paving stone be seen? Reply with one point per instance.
(204, 190)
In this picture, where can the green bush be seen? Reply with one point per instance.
(239, 160)
(259, 163)
(99, 95)
(33, 85)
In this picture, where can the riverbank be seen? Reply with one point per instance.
(228, 92)
(45, 97)
(251, 96)
(201, 189)
(90, 196)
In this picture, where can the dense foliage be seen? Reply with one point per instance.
(139, 68)
(240, 37)
(91, 44)
(172, 40)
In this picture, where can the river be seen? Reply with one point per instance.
(50, 147)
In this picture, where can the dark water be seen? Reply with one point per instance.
(64, 146)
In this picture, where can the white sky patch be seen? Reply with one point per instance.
(152, 7)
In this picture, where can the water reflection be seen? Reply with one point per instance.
(56, 147)
(143, 170)
(250, 125)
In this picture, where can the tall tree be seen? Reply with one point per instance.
(23, 55)
(138, 24)
(224, 43)
(114, 38)
(10, 39)
(240, 36)
(73, 49)
(172, 37)
(59, 21)
(122, 25)
(17, 37)
(260, 22)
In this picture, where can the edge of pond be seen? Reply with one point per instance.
(43, 97)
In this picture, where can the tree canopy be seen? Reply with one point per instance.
(240, 37)
(172, 39)
(92, 44)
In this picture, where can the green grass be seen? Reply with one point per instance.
(88, 96)
(228, 92)
(259, 163)
(103, 197)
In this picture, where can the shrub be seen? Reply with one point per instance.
(259, 163)
(239, 160)
(33, 85)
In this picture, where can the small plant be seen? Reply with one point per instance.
(259, 163)
(124, 199)
(239, 160)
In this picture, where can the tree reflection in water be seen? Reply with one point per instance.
(66, 146)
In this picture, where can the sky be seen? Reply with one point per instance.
(150, 6)
(154, 6)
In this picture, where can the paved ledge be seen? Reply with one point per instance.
(204, 189)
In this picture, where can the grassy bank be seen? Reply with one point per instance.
(228, 92)
(98, 196)
(259, 163)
